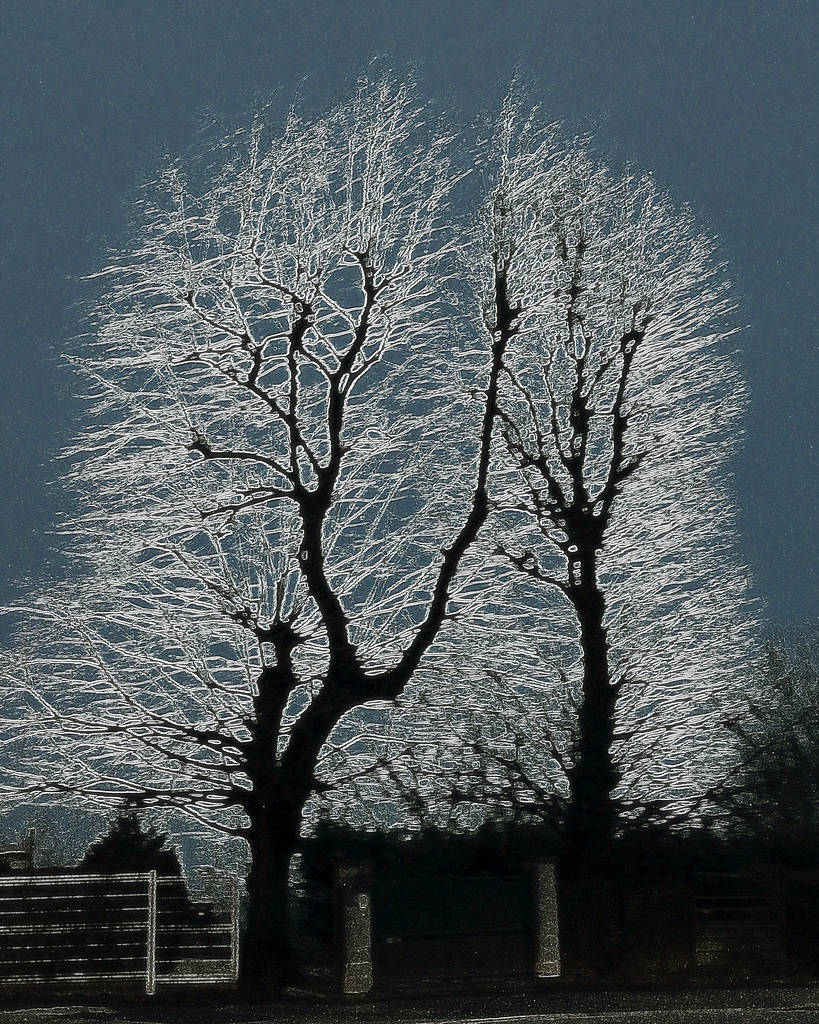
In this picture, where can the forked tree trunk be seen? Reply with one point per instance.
(282, 784)
(283, 781)
(275, 811)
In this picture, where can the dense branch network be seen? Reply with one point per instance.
(284, 475)
(617, 406)
(310, 387)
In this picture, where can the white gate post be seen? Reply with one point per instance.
(547, 942)
(235, 907)
(353, 929)
(150, 966)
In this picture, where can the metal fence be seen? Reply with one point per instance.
(90, 928)
(201, 947)
(740, 915)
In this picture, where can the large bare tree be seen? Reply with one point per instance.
(280, 481)
(282, 492)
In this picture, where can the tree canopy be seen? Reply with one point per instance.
(338, 432)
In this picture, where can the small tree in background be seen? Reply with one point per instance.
(127, 846)
(771, 797)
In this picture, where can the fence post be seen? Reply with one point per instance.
(235, 908)
(150, 966)
(547, 942)
(354, 928)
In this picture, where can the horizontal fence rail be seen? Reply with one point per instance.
(739, 913)
(78, 928)
(703, 922)
(126, 928)
(203, 950)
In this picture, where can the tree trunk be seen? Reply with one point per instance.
(281, 787)
(591, 816)
(268, 960)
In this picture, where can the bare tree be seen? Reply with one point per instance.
(619, 407)
(771, 796)
(591, 690)
(281, 480)
(294, 380)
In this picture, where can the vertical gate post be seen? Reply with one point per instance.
(235, 916)
(547, 942)
(353, 928)
(150, 965)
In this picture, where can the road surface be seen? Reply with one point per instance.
(738, 1006)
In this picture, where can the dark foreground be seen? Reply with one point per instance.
(681, 1006)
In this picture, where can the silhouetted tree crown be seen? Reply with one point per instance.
(130, 847)
(342, 437)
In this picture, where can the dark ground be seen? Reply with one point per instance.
(709, 1006)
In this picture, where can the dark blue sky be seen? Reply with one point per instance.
(719, 100)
